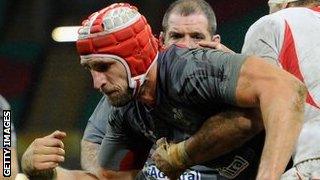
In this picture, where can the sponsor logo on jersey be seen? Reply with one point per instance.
(235, 168)
(153, 172)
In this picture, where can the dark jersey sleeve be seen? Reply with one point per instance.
(200, 76)
(96, 126)
(121, 148)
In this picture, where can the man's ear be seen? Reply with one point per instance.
(161, 39)
(216, 38)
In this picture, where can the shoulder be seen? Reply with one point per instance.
(276, 21)
(169, 56)
(101, 111)
(176, 58)
(185, 62)
(268, 24)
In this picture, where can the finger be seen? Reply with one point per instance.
(160, 141)
(162, 151)
(49, 151)
(46, 165)
(58, 134)
(212, 45)
(48, 158)
(52, 142)
(163, 166)
(155, 156)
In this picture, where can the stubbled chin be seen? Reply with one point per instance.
(118, 100)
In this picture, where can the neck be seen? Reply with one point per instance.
(147, 93)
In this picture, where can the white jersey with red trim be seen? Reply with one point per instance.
(290, 38)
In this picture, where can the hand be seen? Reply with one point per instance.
(214, 45)
(44, 154)
(171, 159)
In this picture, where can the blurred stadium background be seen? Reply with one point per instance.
(42, 79)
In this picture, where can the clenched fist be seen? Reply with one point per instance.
(43, 155)
(172, 159)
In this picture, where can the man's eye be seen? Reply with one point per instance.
(176, 36)
(101, 67)
(198, 36)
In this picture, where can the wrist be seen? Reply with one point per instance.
(179, 156)
(50, 174)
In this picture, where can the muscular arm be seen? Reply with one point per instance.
(281, 99)
(217, 136)
(222, 133)
(89, 154)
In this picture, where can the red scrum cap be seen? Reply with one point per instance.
(120, 32)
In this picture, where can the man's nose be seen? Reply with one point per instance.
(99, 79)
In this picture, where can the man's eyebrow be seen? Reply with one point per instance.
(174, 32)
(85, 65)
(197, 33)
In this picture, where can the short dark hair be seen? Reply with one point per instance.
(302, 3)
(188, 7)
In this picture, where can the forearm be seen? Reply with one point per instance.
(89, 162)
(282, 126)
(223, 133)
(89, 154)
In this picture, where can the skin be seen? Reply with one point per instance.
(273, 7)
(118, 94)
(282, 125)
(230, 127)
(190, 37)
(48, 152)
(202, 147)
(104, 79)
(188, 30)
(45, 154)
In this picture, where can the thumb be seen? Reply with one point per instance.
(58, 134)
(161, 141)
